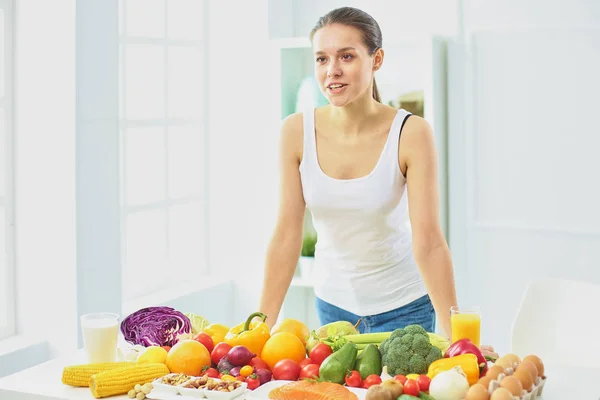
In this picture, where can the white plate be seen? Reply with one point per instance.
(262, 392)
(216, 395)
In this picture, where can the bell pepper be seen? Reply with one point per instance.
(465, 346)
(251, 334)
(216, 332)
(468, 363)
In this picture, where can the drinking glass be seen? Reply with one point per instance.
(100, 335)
(466, 323)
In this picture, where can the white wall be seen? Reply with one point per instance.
(523, 152)
(45, 180)
(296, 18)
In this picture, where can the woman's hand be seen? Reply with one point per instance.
(488, 351)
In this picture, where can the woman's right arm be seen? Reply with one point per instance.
(286, 243)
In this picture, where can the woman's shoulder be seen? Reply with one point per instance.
(292, 133)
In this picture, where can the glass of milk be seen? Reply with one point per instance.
(100, 334)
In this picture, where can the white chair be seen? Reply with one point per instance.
(559, 320)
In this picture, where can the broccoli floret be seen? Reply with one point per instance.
(408, 351)
(396, 334)
(383, 345)
(417, 364)
(434, 355)
(415, 329)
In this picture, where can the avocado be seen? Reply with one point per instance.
(369, 361)
(335, 367)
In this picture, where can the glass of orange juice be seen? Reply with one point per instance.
(466, 323)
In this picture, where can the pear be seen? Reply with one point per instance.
(338, 328)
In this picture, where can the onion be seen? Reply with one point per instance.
(240, 356)
(224, 366)
(449, 385)
(235, 371)
(264, 375)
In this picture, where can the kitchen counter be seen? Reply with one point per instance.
(43, 382)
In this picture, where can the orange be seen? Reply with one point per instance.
(282, 345)
(292, 326)
(188, 357)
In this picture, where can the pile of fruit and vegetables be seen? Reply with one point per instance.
(171, 349)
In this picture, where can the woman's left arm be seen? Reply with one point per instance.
(419, 162)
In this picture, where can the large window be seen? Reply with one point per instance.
(163, 143)
(7, 282)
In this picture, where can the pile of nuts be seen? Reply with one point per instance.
(224, 386)
(198, 383)
(174, 380)
(139, 392)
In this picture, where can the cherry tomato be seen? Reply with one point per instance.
(286, 369)
(240, 378)
(411, 387)
(167, 348)
(257, 363)
(310, 371)
(219, 352)
(253, 382)
(246, 370)
(320, 352)
(371, 380)
(305, 362)
(227, 378)
(205, 340)
(400, 378)
(423, 381)
(353, 379)
(211, 372)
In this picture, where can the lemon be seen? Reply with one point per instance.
(153, 354)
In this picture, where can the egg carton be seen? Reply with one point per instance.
(536, 390)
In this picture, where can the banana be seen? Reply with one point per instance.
(439, 341)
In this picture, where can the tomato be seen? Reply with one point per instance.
(353, 379)
(227, 378)
(167, 348)
(211, 372)
(320, 352)
(205, 340)
(257, 363)
(240, 378)
(310, 371)
(246, 370)
(423, 381)
(371, 380)
(400, 378)
(411, 387)
(219, 352)
(305, 362)
(286, 369)
(253, 382)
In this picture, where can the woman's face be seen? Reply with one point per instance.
(343, 66)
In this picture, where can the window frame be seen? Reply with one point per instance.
(165, 123)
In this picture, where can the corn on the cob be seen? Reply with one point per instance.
(122, 380)
(80, 375)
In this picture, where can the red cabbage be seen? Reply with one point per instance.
(155, 326)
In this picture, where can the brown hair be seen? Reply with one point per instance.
(360, 20)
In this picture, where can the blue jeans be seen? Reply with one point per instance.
(419, 312)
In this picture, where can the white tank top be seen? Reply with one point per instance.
(363, 257)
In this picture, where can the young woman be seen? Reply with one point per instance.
(358, 164)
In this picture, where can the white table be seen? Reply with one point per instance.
(43, 382)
